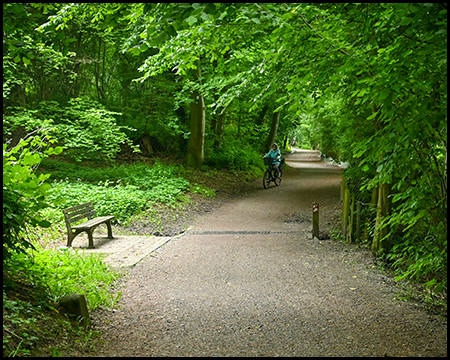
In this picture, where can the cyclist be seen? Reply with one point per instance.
(275, 154)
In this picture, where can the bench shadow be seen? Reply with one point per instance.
(101, 241)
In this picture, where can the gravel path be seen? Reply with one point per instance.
(248, 280)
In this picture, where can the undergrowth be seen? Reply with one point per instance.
(32, 284)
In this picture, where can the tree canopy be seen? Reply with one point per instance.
(364, 82)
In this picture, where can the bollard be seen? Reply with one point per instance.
(315, 217)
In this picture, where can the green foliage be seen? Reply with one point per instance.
(85, 129)
(23, 191)
(72, 272)
(24, 120)
(24, 317)
(234, 155)
(120, 191)
(48, 274)
(368, 82)
(90, 132)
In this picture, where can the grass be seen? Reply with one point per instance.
(32, 284)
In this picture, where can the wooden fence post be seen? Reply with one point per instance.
(358, 222)
(345, 211)
(343, 186)
(315, 216)
(380, 239)
(351, 220)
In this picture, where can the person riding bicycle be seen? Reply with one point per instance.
(275, 154)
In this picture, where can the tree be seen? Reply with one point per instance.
(197, 137)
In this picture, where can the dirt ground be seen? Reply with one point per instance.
(248, 279)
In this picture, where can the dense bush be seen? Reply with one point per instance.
(90, 132)
(85, 128)
(235, 155)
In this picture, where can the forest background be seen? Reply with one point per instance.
(211, 86)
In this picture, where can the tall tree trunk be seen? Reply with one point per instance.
(217, 123)
(273, 130)
(219, 128)
(196, 142)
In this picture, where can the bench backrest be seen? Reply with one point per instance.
(79, 212)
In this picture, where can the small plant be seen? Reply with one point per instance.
(199, 189)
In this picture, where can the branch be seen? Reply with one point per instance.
(12, 333)
(340, 50)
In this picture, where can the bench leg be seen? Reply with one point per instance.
(69, 239)
(91, 240)
(108, 224)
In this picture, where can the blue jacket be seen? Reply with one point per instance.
(274, 155)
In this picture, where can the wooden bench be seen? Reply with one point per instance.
(84, 211)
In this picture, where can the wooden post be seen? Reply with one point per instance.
(358, 218)
(345, 211)
(381, 241)
(351, 222)
(315, 231)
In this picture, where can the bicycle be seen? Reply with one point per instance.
(272, 174)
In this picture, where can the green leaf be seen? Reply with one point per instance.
(359, 154)
(31, 159)
(405, 21)
(44, 223)
(191, 20)
(205, 16)
(135, 51)
(384, 94)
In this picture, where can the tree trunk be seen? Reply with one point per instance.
(217, 124)
(285, 141)
(273, 130)
(196, 142)
(219, 128)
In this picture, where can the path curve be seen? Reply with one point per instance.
(247, 279)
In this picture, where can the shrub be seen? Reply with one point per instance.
(233, 155)
(90, 132)
(23, 192)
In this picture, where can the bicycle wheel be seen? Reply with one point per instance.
(266, 179)
(278, 176)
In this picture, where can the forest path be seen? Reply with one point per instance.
(247, 279)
